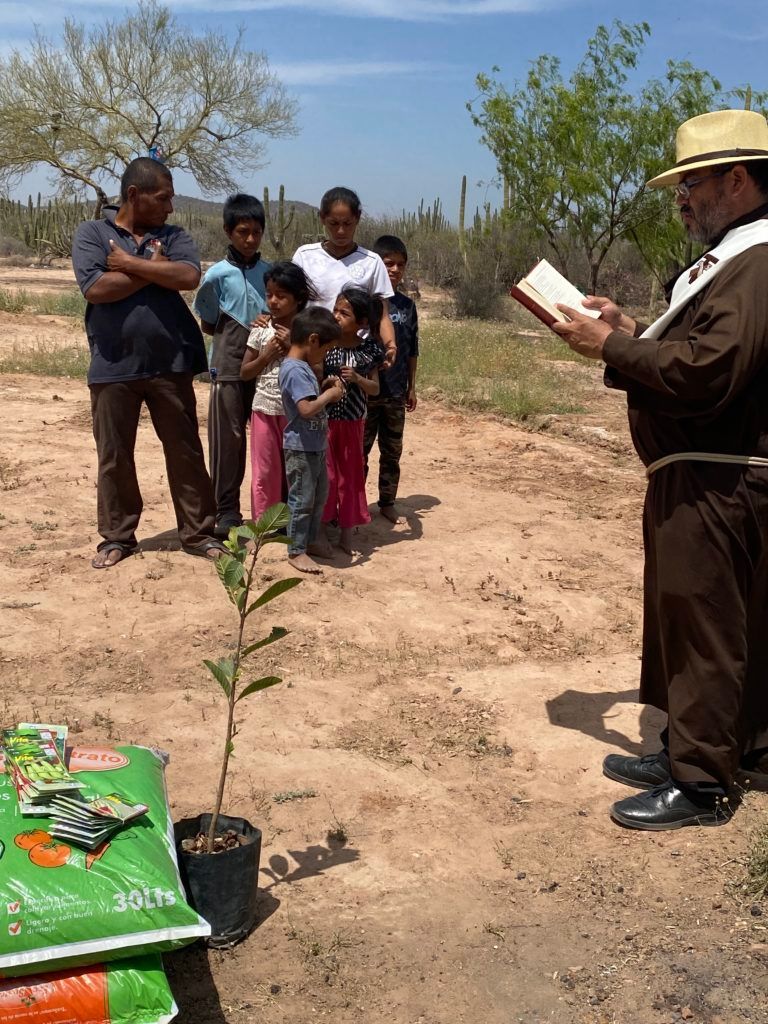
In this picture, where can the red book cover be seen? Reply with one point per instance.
(532, 306)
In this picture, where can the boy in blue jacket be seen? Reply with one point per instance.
(229, 300)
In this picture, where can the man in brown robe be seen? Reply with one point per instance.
(697, 396)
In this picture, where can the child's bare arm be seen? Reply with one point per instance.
(309, 407)
(387, 334)
(248, 366)
(207, 328)
(370, 384)
(410, 402)
(255, 362)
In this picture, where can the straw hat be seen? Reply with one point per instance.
(722, 137)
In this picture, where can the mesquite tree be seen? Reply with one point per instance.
(88, 106)
(576, 154)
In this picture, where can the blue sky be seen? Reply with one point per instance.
(382, 84)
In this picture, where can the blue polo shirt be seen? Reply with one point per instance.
(150, 333)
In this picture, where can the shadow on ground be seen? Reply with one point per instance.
(194, 990)
(315, 860)
(191, 980)
(590, 713)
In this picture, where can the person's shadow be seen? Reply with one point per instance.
(590, 713)
(168, 540)
(380, 532)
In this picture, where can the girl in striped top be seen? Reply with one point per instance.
(356, 361)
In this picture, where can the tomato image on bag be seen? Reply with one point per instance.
(63, 906)
(133, 991)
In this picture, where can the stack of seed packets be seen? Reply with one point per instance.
(89, 823)
(35, 762)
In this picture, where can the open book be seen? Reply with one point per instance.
(543, 287)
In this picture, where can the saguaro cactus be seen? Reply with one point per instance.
(462, 209)
(277, 229)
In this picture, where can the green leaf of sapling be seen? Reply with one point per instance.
(274, 518)
(258, 684)
(274, 591)
(277, 634)
(219, 675)
(231, 572)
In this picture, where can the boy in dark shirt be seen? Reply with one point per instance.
(386, 412)
(230, 298)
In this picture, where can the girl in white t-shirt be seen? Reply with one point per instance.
(339, 261)
(288, 291)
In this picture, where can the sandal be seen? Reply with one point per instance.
(103, 559)
(205, 549)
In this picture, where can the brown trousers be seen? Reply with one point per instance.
(116, 408)
(705, 628)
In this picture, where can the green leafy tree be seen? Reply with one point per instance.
(576, 154)
(236, 571)
(88, 106)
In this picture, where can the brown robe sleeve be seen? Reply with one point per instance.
(713, 350)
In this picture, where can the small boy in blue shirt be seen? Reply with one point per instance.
(305, 437)
(397, 385)
(228, 301)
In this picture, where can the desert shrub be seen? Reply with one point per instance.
(47, 360)
(477, 296)
(10, 246)
(489, 366)
(13, 301)
(69, 303)
(478, 291)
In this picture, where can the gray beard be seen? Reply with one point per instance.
(698, 233)
(709, 222)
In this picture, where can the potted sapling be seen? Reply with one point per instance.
(219, 854)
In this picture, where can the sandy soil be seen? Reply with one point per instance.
(449, 695)
(32, 278)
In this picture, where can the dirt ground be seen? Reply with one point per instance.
(449, 694)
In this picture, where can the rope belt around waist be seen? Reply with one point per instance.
(740, 460)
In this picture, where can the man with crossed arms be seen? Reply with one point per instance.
(697, 394)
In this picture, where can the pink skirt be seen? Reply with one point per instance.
(347, 502)
(268, 485)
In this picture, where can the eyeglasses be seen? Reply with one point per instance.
(683, 190)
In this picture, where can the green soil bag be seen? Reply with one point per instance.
(62, 907)
(133, 991)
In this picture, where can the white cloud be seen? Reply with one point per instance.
(45, 13)
(329, 71)
(396, 10)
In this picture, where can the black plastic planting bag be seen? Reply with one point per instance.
(222, 886)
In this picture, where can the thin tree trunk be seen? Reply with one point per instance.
(101, 199)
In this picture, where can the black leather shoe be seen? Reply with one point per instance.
(668, 807)
(641, 772)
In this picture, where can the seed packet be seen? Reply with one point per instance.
(36, 766)
(89, 822)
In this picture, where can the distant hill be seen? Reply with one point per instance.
(211, 208)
